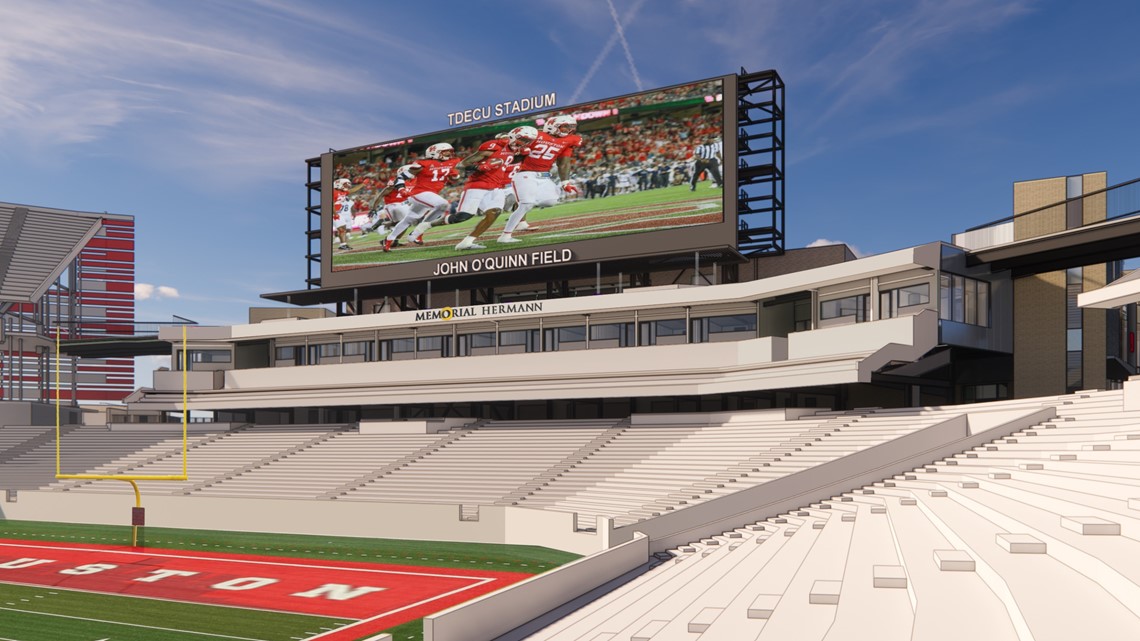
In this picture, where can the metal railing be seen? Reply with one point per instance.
(1119, 201)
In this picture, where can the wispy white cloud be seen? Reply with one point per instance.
(824, 242)
(890, 51)
(147, 291)
(79, 72)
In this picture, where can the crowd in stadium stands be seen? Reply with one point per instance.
(631, 155)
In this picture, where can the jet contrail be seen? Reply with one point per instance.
(624, 44)
(597, 64)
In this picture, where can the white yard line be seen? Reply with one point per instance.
(400, 609)
(133, 625)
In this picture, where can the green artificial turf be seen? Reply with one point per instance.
(623, 208)
(50, 614)
(32, 613)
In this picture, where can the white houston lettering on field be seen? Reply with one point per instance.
(90, 568)
(337, 592)
(158, 575)
(244, 583)
(379, 594)
(20, 564)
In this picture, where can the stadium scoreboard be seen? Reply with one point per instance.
(629, 177)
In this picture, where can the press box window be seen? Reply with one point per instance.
(206, 356)
(842, 307)
(290, 354)
(653, 330)
(620, 332)
(894, 300)
(439, 345)
(571, 334)
(743, 324)
(359, 348)
(481, 340)
(964, 300)
(317, 353)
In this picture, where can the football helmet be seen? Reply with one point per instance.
(520, 137)
(342, 184)
(561, 125)
(404, 173)
(440, 151)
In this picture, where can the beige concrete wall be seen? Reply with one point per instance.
(262, 314)
(1039, 335)
(829, 479)
(499, 612)
(496, 524)
(831, 356)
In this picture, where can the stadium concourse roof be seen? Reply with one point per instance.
(30, 258)
(1118, 293)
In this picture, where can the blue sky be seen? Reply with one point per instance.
(907, 119)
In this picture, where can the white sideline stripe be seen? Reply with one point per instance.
(168, 600)
(390, 612)
(273, 563)
(133, 625)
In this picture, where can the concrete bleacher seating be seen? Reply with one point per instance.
(486, 464)
(950, 550)
(32, 462)
(323, 467)
(217, 456)
(649, 470)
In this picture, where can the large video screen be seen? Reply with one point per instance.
(635, 175)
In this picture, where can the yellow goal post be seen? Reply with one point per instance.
(129, 478)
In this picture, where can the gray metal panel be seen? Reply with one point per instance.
(36, 246)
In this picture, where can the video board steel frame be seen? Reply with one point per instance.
(319, 244)
(760, 162)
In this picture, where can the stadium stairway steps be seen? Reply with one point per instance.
(216, 456)
(344, 490)
(944, 597)
(34, 442)
(897, 524)
(1098, 590)
(563, 466)
(865, 604)
(18, 440)
(699, 567)
(800, 614)
(131, 462)
(331, 431)
(86, 447)
(1043, 511)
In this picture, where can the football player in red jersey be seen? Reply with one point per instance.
(533, 184)
(488, 189)
(431, 174)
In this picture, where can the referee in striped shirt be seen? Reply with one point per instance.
(707, 157)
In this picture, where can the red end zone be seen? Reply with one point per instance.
(380, 595)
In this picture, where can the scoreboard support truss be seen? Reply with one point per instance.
(760, 162)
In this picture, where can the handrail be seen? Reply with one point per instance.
(1058, 204)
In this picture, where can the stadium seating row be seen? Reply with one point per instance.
(1034, 535)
